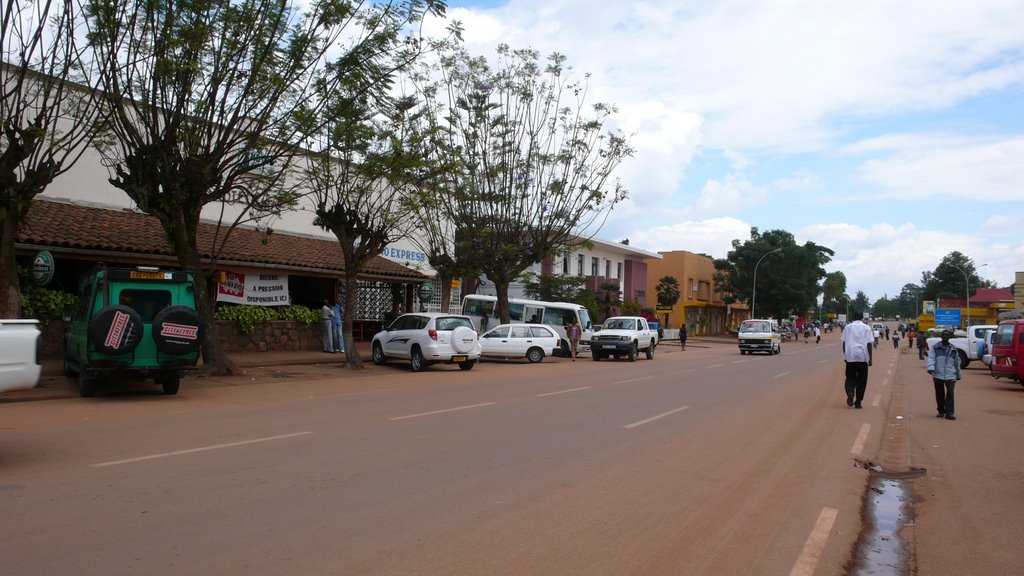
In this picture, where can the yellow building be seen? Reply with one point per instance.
(702, 306)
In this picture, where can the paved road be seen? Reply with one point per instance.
(698, 462)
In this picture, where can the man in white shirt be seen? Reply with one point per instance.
(857, 340)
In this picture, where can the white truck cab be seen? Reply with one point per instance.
(19, 367)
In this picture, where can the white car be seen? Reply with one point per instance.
(19, 368)
(530, 341)
(425, 338)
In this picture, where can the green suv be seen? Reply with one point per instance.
(137, 322)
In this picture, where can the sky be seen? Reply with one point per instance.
(890, 132)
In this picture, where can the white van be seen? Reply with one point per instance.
(760, 335)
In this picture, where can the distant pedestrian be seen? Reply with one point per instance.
(896, 339)
(327, 315)
(817, 335)
(922, 344)
(857, 338)
(682, 336)
(944, 366)
(337, 325)
(573, 332)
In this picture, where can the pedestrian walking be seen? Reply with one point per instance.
(944, 367)
(327, 314)
(573, 332)
(337, 325)
(922, 344)
(896, 339)
(682, 336)
(817, 335)
(857, 340)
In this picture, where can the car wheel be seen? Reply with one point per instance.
(597, 357)
(69, 371)
(171, 382)
(650, 351)
(418, 362)
(467, 365)
(178, 330)
(633, 352)
(534, 355)
(964, 360)
(115, 330)
(378, 354)
(86, 384)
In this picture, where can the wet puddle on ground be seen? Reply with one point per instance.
(881, 551)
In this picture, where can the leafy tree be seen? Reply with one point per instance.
(609, 295)
(832, 290)
(528, 169)
(909, 301)
(668, 293)
(948, 280)
(861, 303)
(45, 122)
(552, 287)
(884, 307)
(787, 281)
(208, 99)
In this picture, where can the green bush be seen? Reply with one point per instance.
(248, 316)
(44, 304)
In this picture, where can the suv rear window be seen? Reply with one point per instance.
(146, 302)
(451, 323)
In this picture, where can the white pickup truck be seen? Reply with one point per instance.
(970, 347)
(19, 367)
(624, 336)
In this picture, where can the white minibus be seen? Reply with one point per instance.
(480, 308)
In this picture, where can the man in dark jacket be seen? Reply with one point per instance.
(922, 344)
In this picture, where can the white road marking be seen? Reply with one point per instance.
(862, 438)
(823, 361)
(633, 380)
(877, 400)
(653, 418)
(781, 375)
(811, 554)
(456, 409)
(714, 366)
(202, 449)
(737, 361)
(563, 391)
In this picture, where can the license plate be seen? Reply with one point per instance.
(460, 358)
(608, 346)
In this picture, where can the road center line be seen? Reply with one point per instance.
(815, 543)
(714, 366)
(563, 391)
(633, 380)
(653, 418)
(456, 409)
(781, 375)
(862, 438)
(202, 449)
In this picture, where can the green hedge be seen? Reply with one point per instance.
(248, 316)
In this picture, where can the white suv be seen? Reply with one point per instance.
(425, 338)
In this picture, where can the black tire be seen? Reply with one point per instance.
(178, 330)
(563, 349)
(650, 351)
(378, 354)
(69, 371)
(596, 356)
(417, 360)
(964, 360)
(171, 382)
(467, 365)
(115, 330)
(633, 352)
(534, 355)
(86, 384)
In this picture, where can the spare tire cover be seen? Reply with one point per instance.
(115, 330)
(178, 330)
(463, 339)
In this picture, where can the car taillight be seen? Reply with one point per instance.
(432, 334)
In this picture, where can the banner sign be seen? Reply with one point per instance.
(254, 289)
(947, 317)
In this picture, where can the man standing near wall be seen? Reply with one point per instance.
(327, 315)
(337, 321)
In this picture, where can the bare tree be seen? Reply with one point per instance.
(528, 167)
(46, 122)
(205, 94)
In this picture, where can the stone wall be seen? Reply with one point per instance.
(277, 336)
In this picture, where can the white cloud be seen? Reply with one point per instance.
(1003, 224)
(718, 197)
(713, 236)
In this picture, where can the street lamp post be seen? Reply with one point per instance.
(753, 296)
(967, 290)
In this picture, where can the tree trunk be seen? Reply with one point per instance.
(501, 306)
(446, 294)
(10, 293)
(355, 361)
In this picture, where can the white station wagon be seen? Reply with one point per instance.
(530, 341)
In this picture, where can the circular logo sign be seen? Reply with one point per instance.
(42, 268)
(425, 292)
